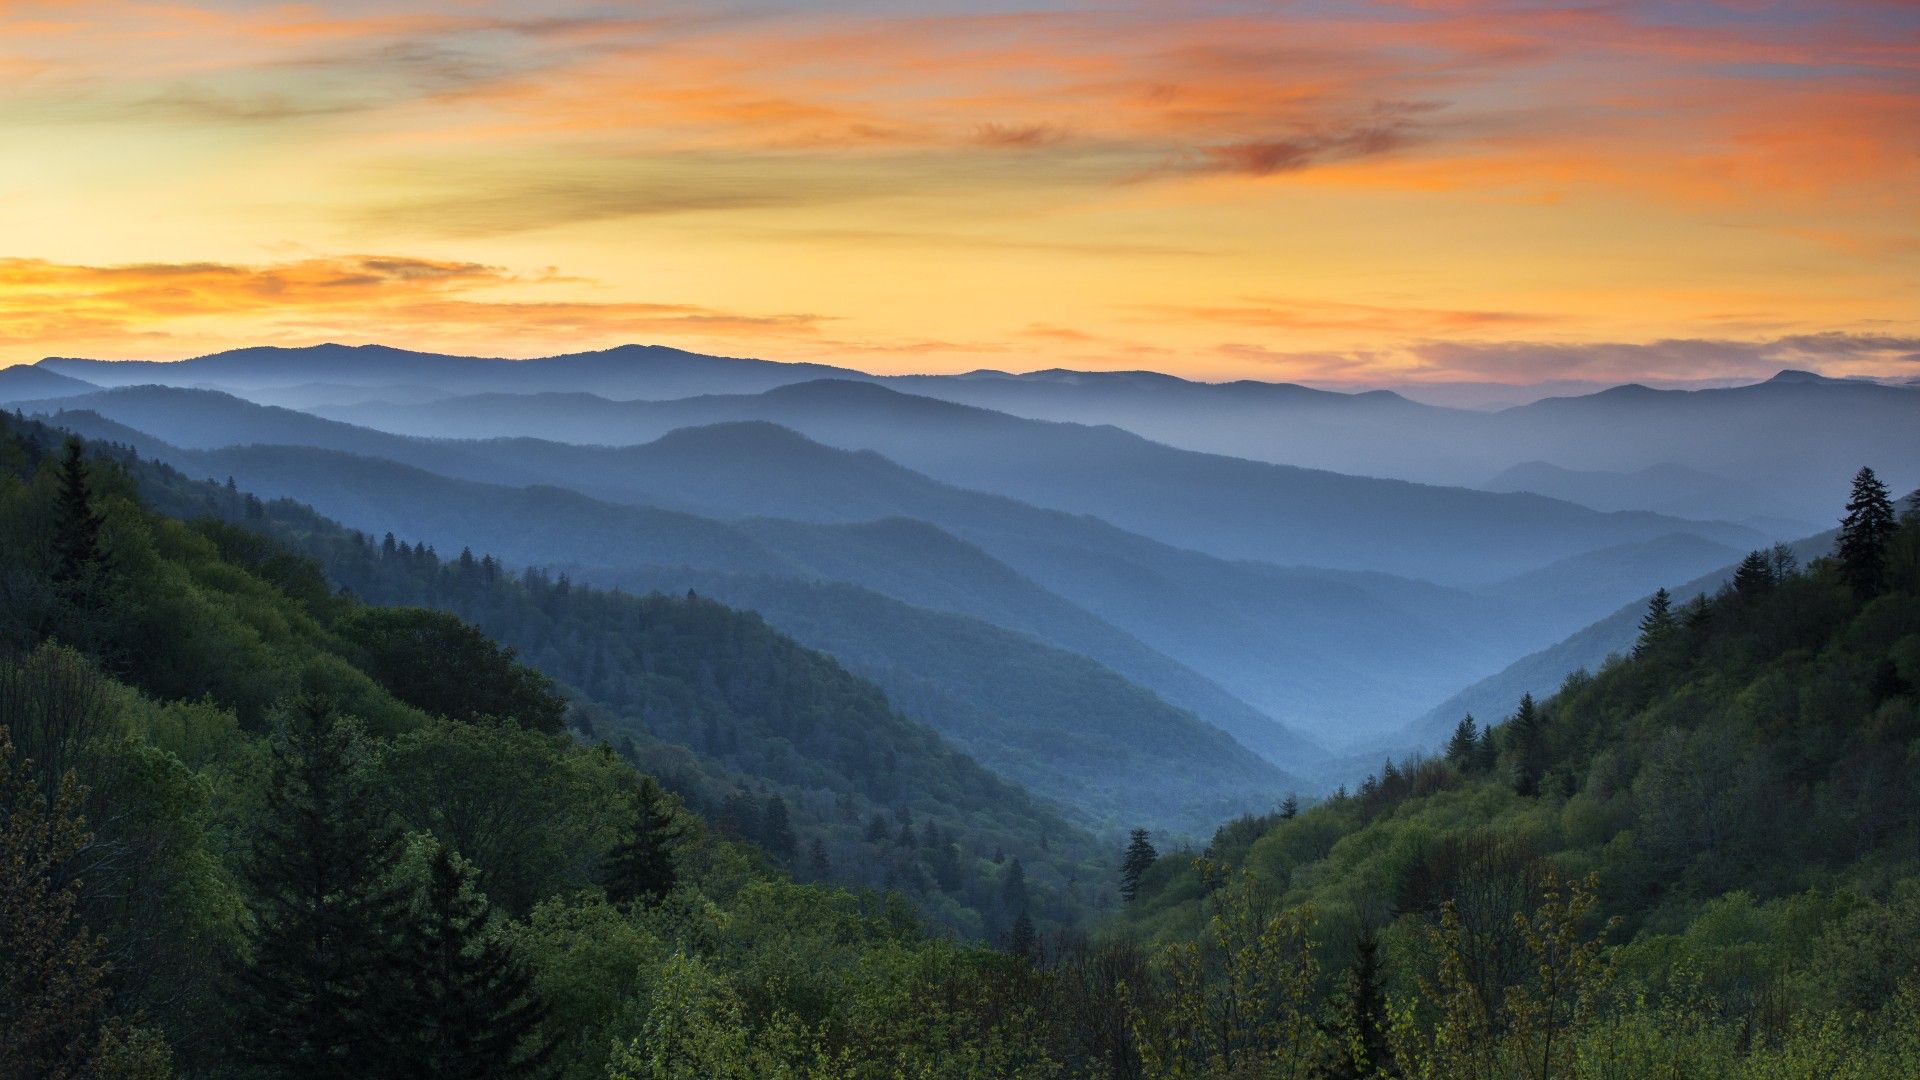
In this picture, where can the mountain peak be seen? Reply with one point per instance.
(1795, 375)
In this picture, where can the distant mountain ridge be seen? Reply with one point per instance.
(1285, 640)
(1229, 507)
(1822, 425)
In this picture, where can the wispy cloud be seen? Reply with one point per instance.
(393, 297)
(1676, 359)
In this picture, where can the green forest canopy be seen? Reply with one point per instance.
(244, 835)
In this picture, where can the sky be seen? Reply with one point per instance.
(1330, 192)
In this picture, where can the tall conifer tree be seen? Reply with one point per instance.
(1461, 747)
(469, 1007)
(1864, 534)
(78, 555)
(1658, 624)
(642, 868)
(317, 995)
(1754, 575)
(1140, 856)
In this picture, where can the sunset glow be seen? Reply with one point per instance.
(1335, 192)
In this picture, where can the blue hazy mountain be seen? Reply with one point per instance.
(1289, 641)
(1054, 719)
(1785, 437)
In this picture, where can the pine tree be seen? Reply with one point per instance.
(876, 829)
(1754, 574)
(1658, 624)
(1023, 941)
(317, 997)
(776, 830)
(1461, 748)
(469, 1007)
(78, 555)
(1290, 807)
(1525, 736)
(641, 867)
(817, 860)
(1133, 866)
(1864, 534)
(1362, 1020)
(1013, 890)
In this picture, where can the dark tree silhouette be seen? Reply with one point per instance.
(469, 1007)
(1013, 887)
(1658, 624)
(642, 868)
(776, 830)
(1864, 533)
(1525, 737)
(1462, 748)
(78, 554)
(1140, 856)
(1023, 941)
(316, 995)
(1362, 1021)
(1754, 575)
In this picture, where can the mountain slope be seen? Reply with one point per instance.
(1279, 639)
(1696, 851)
(1186, 763)
(39, 384)
(209, 600)
(1587, 649)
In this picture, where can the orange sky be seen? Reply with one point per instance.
(1324, 191)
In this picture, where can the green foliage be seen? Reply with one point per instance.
(642, 867)
(442, 665)
(468, 1007)
(1698, 861)
(321, 974)
(1139, 858)
(51, 969)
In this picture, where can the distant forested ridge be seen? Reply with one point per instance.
(252, 826)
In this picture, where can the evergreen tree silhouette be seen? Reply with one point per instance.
(1524, 736)
(469, 1007)
(1754, 574)
(1140, 856)
(1463, 746)
(1362, 1021)
(318, 993)
(1864, 533)
(1013, 890)
(1023, 941)
(1658, 624)
(78, 555)
(641, 868)
(776, 830)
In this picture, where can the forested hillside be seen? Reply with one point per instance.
(1703, 859)
(250, 826)
(1056, 722)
